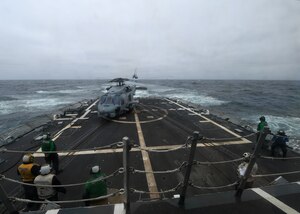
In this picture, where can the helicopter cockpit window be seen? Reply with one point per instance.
(122, 101)
(108, 100)
(116, 100)
(102, 99)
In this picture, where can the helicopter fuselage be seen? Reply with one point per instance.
(117, 101)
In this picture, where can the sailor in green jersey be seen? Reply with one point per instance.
(48, 145)
(95, 189)
(260, 127)
(262, 124)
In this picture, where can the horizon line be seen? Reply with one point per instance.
(194, 79)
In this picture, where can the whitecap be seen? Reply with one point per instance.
(291, 125)
(141, 94)
(188, 96)
(198, 99)
(67, 91)
(180, 94)
(32, 105)
(44, 103)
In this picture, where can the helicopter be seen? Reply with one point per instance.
(117, 100)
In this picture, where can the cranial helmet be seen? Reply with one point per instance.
(95, 169)
(28, 158)
(281, 132)
(46, 136)
(262, 118)
(45, 170)
(247, 155)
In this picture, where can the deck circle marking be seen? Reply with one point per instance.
(143, 121)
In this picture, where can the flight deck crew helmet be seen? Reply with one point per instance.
(262, 118)
(281, 132)
(28, 158)
(45, 170)
(46, 136)
(247, 156)
(95, 169)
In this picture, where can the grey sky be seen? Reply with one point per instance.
(217, 39)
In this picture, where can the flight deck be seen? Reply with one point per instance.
(158, 130)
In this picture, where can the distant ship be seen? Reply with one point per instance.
(135, 76)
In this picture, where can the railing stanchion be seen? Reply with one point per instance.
(261, 139)
(195, 139)
(126, 149)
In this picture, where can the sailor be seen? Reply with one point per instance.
(280, 140)
(94, 189)
(242, 169)
(261, 125)
(46, 178)
(48, 145)
(28, 170)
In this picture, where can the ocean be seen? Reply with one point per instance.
(242, 101)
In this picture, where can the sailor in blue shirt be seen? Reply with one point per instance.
(280, 140)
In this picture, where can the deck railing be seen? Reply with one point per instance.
(127, 171)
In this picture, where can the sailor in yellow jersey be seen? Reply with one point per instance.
(28, 170)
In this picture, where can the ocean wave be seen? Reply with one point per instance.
(67, 91)
(164, 90)
(4, 110)
(89, 87)
(31, 105)
(183, 94)
(198, 99)
(142, 93)
(192, 97)
(291, 125)
(7, 98)
(45, 103)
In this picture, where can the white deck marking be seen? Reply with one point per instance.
(62, 119)
(67, 126)
(298, 182)
(213, 122)
(150, 117)
(229, 143)
(147, 163)
(75, 127)
(107, 151)
(71, 115)
(122, 118)
(172, 109)
(144, 121)
(192, 114)
(119, 209)
(279, 204)
(204, 121)
(52, 211)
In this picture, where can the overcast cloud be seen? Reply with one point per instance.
(220, 39)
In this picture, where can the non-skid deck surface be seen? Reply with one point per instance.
(155, 123)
